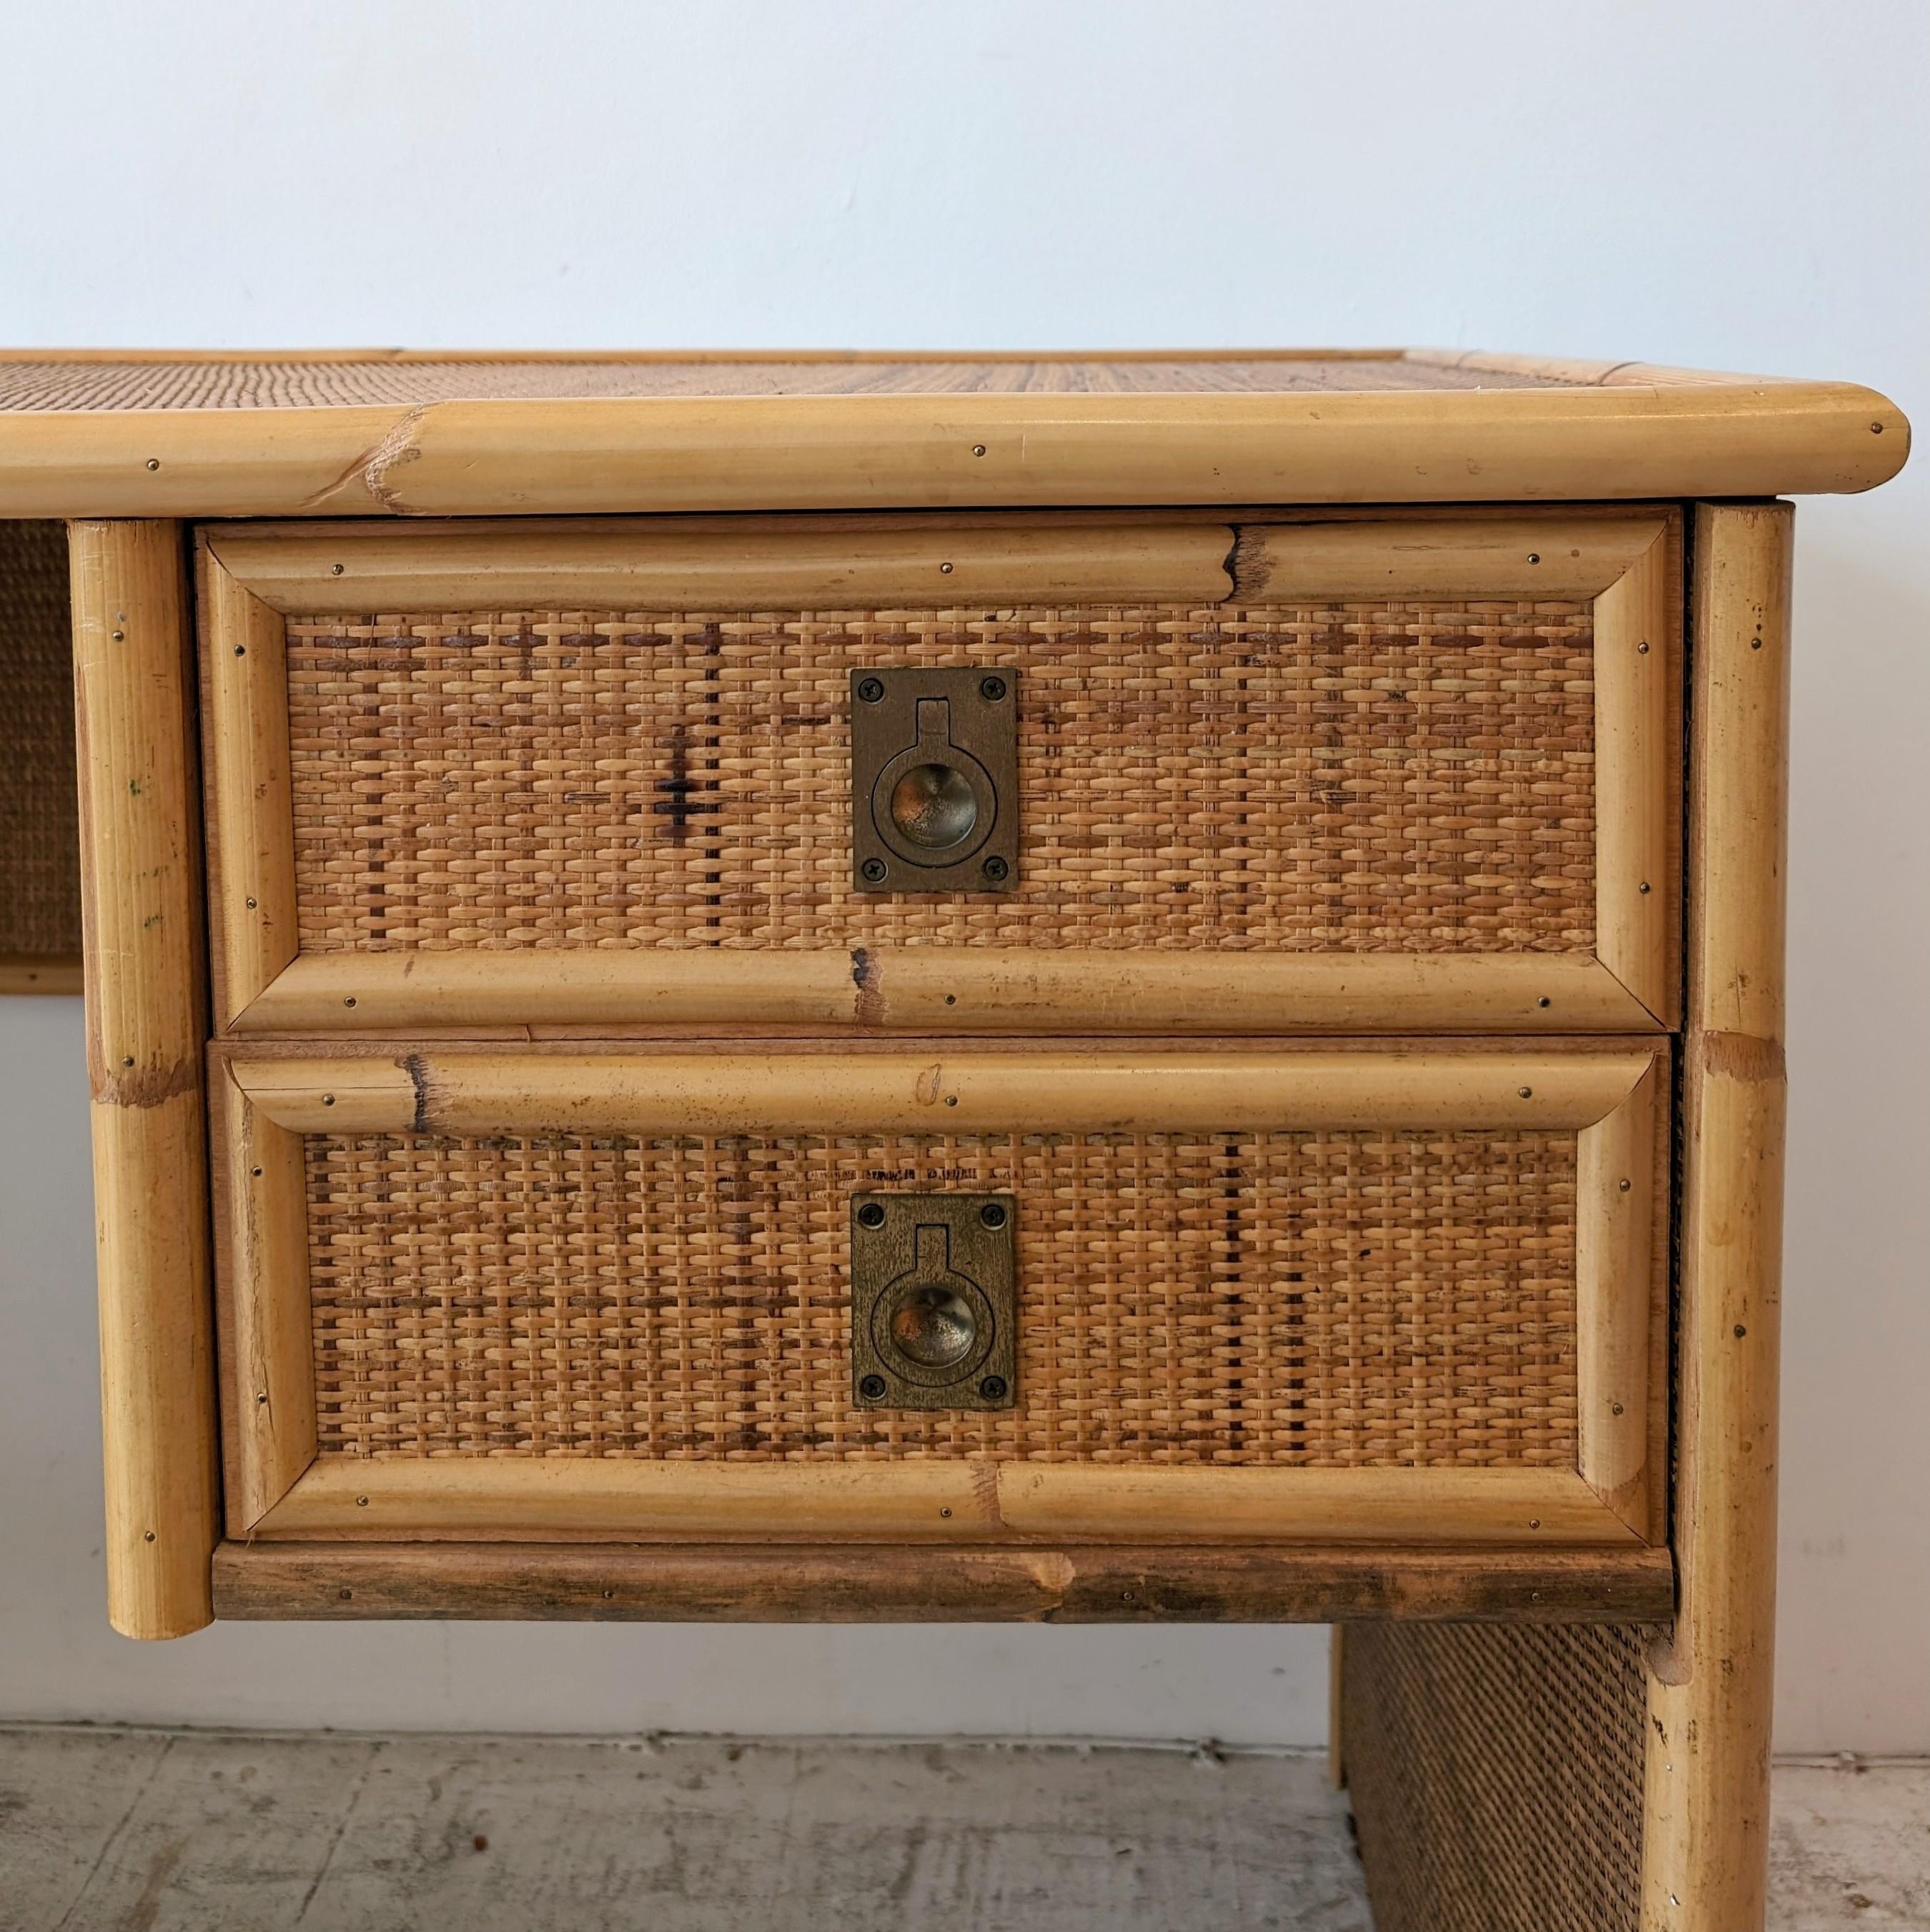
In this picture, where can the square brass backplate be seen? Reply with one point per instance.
(934, 1303)
(934, 781)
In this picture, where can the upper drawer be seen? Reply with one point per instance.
(1398, 773)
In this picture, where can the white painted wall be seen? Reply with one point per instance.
(1736, 185)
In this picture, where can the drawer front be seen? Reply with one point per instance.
(1378, 775)
(1343, 1295)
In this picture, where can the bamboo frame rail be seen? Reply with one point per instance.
(1550, 556)
(1638, 694)
(747, 563)
(838, 1583)
(923, 990)
(1228, 1090)
(1622, 1187)
(36, 973)
(1591, 432)
(261, 1234)
(250, 863)
(819, 562)
(141, 916)
(565, 1497)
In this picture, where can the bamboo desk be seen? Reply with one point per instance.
(1361, 1044)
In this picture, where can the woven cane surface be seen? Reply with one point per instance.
(1495, 1774)
(39, 821)
(1341, 1299)
(292, 382)
(1389, 778)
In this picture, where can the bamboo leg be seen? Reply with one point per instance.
(1706, 1846)
(1337, 1751)
(141, 916)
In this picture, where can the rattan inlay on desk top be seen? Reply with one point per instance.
(294, 381)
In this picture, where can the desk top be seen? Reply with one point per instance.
(116, 432)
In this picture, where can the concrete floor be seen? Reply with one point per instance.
(137, 1831)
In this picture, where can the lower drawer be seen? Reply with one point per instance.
(1347, 1299)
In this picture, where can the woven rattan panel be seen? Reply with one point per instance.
(1496, 1773)
(40, 826)
(1391, 777)
(1389, 1299)
(293, 383)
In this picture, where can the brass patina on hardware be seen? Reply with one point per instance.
(934, 1301)
(934, 781)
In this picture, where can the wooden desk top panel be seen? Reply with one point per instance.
(136, 433)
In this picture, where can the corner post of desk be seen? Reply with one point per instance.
(1707, 1745)
(141, 902)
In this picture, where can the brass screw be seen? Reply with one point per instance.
(1527, 1092)
(348, 999)
(978, 448)
(120, 637)
(334, 570)
(1534, 556)
(361, 1502)
(1545, 1001)
(1642, 650)
(153, 463)
(1626, 1185)
(945, 570)
(328, 1099)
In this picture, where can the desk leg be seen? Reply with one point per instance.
(1705, 1848)
(146, 1026)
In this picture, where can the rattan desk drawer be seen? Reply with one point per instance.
(1382, 774)
(1279, 1296)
